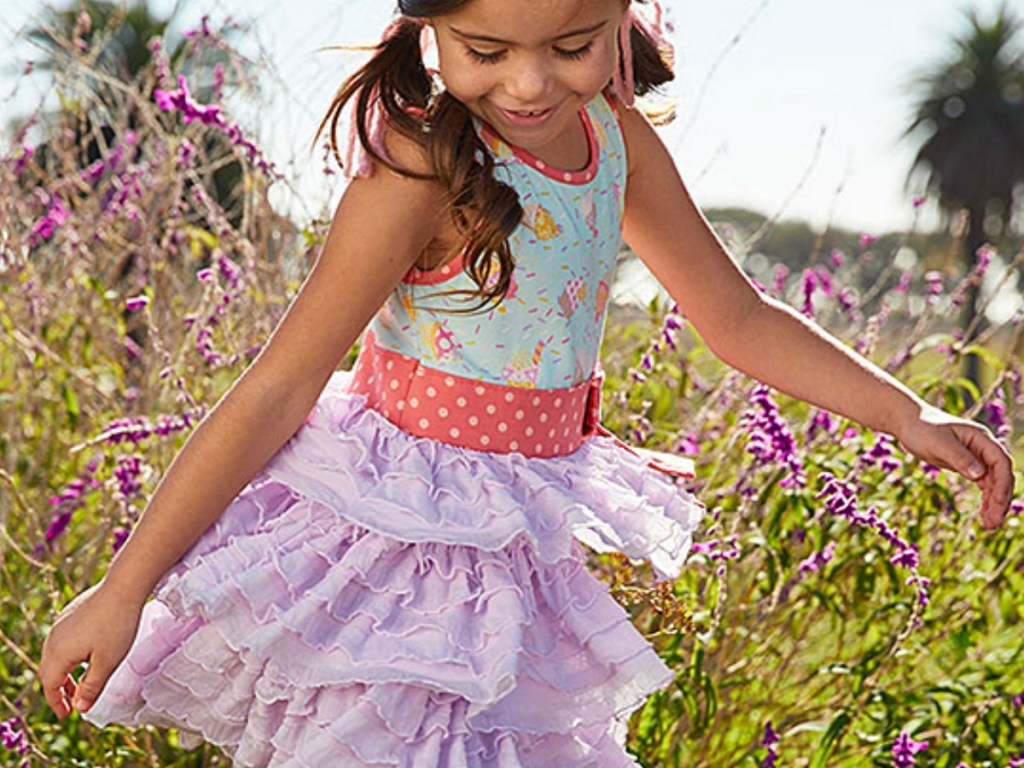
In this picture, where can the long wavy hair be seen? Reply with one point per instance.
(395, 84)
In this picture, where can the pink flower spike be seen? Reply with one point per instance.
(205, 275)
(136, 303)
(866, 241)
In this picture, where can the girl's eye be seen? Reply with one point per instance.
(485, 58)
(575, 53)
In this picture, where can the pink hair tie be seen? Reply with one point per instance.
(356, 161)
(649, 18)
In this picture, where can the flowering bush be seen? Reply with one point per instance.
(842, 606)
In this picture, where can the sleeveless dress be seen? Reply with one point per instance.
(402, 584)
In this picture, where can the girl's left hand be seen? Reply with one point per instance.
(968, 448)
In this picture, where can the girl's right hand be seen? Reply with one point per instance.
(97, 628)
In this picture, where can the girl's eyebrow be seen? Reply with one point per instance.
(499, 41)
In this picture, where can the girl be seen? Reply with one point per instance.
(378, 568)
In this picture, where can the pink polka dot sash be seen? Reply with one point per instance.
(481, 415)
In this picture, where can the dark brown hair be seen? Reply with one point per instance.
(486, 211)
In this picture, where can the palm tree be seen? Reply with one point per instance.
(970, 113)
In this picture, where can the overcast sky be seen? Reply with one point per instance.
(781, 102)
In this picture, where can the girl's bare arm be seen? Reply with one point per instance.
(379, 229)
(770, 341)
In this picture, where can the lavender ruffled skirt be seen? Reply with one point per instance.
(373, 598)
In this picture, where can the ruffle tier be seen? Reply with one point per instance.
(376, 599)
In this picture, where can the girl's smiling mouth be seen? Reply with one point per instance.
(526, 118)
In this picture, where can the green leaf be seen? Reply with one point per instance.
(832, 734)
(71, 404)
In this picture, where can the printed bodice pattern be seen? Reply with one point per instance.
(547, 332)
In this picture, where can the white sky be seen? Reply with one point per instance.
(799, 67)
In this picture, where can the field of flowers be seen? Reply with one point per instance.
(842, 606)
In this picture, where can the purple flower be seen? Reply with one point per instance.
(12, 737)
(70, 500)
(882, 455)
(984, 260)
(825, 281)
(904, 749)
(904, 284)
(127, 473)
(934, 280)
(181, 99)
(229, 269)
(837, 259)
(846, 299)
(45, 226)
(688, 445)
(810, 282)
(822, 421)
(841, 500)
(768, 741)
(814, 563)
(779, 280)
(136, 303)
(995, 411)
(771, 441)
(866, 241)
(919, 201)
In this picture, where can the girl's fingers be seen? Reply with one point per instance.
(997, 482)
(58, 685)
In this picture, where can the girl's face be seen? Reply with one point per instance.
(526, 67)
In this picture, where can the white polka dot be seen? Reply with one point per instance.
(390, 365)
(558, 402)
(424, 423)
(540, 165)
(461, 402)
(400, 405)
(535, 401)
(491, 409)
(567, 176)
(431, 392)
(394, 384)
(371, 380)
(502, 426)
(442, 412)
(551, 433)
(563, 418)
(449, 381)
(485, 440)
(473, 421)
(419, 372)
(538, 448)
(479, 390)
(414, 402)
(543, 417)
(565, 432)
(558, 448)
(520, 415)
(513, 446)
(454, 432)
(509, 397)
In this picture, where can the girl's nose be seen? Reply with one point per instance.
(529, 83)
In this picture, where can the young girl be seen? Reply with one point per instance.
(379, 568)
